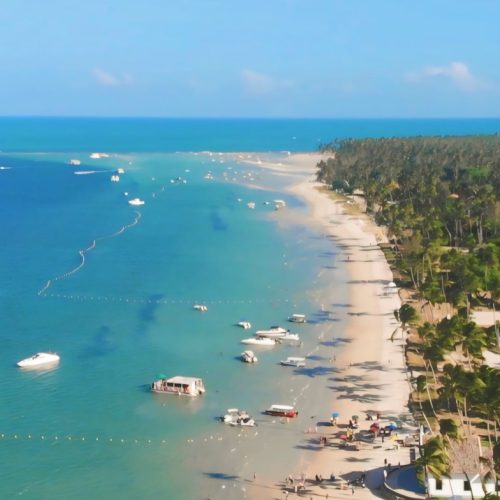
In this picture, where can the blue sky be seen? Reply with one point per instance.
(242, 58)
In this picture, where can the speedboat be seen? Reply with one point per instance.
(289, 337)
(200, 307)
(259, 341)
(136, 202)
(294, 361)
(115, 178)
(282, 411)
(273, 332)
(248, 357)
(237, 417)
(39, 359)
(75, 162)
(245, 324)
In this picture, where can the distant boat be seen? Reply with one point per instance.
(262, 341)
(294, 361)
(245, 324)
(200, 307)
(136, 202)
(248, 357)
(273, 332)
(238, 418)
(297, 318)
(282, 411)
(289, 337)
(39, 359)
(75, 162)
(115, 178)
(181, 386)
(96, 156)
(251, 204)
(120, 171)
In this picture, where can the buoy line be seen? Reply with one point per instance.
(135, 300)
(83, 252)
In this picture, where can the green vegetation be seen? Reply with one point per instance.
(438, 197)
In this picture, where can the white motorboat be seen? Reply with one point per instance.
(259, 341)
(244, 324)
(237, 417)
(200, 307)
(289, 337)
(75, 162)
(248, 357)
(297, 318)
(120, 170)
(251, 204)
(136, 202)
(181, 386)
(115, 178)
(39, 359)
(294, 361)
(273, 332)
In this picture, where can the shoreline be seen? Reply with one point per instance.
(371, 369)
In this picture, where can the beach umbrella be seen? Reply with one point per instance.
(392, 425)
(335, 414)
(355, 417)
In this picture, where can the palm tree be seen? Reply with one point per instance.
(434, 458)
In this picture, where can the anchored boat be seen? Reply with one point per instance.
(282, 411)
(249, 357)
(237, 417)
(182, 386)
(39, 359)
(294, 361)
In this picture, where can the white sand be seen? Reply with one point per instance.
(372, 370)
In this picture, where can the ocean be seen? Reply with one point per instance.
(111, 288)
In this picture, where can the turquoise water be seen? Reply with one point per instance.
(124, 314)
(121, 311)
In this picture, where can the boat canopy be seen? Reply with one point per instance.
(282, 407)
(183, 380)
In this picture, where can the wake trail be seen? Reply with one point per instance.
(84, 251)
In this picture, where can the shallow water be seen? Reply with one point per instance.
(110, 287)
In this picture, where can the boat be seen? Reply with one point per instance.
(182, 386)
(248, 357)
(294, 361)
(39, 359)
(200, 307)
(120, 170)
(289, 337)
(115, 178)
(244, 324)
(273, 332)
(259, 341)
(136, 202)
(297, 318)
(251, 204)
(237, 417)
(75, 162)
(282, 411)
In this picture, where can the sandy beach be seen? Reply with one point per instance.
(370, 371)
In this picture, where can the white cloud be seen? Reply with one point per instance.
(458, 73)
(260, 84)
(107, 79)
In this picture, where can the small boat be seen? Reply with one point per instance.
(248, 357)
(39, 359)
(182, 386)
(75, 162)
(289, 337)
(120, 170)
(282, 411)
(115, 178)
(251, 204)
(273, 332)
(136, 202)
(237, 417)
(244, 324)
(297, 318)
(294, 361)
(200, 307)
(259, 341)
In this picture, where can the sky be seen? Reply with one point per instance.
(250, 58)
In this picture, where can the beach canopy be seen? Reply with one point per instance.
(392, 425)
(335, 414)
(355, 417)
